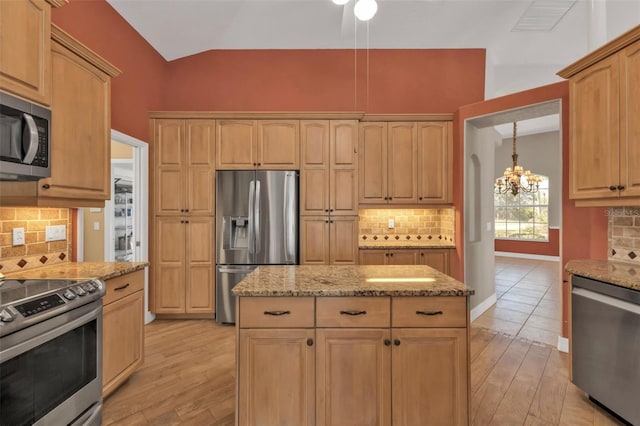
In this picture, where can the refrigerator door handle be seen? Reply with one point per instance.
(252, 217)
(256, 214)
(289, 212)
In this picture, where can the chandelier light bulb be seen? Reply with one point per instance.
(365, 9)
(340, 2)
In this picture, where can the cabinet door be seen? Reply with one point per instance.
(435, 162)
(236, 144)
(122, 336)
(353, 377)
(372, 163)
(436, 258)
(80, 129)
(343, 239)
(25, 49)
(169, 275)
(314, 240)
(279, 144)
(630, 125)
(403, 153)
(373, 257)
(276, 385)
(403, 257)
(200, 167)
(169, 179)
(314, 174)
(343, 180)
(429, 383)
(200, 279)
(594, 143)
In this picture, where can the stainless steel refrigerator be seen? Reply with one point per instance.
(256, 224)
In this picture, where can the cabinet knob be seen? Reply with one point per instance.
(186, 210)
(621, 187)
(330, 210)
(390, 198)
(386, 254)
(255, 164)
(330, 221)
(612, 188)
(326, 210)
(391, 254)
(387, 342)
(420, 198)
(326, 221)
(396, 342)
(259, 164)
(421, 254)
(186, 221)
(181, 210)
(46, 186)
(309, 342)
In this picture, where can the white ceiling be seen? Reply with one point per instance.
(516, 60)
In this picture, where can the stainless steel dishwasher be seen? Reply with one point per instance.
(605, 324)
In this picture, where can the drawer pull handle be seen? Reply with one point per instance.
(309, 342)
(430, 313)
(277, 313)
(122, 287)
(353, 313)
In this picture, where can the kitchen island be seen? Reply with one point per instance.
(352, 345)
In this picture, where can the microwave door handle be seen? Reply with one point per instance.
(257, 235)
(30, 139)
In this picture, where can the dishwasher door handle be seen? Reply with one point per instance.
(608, 300)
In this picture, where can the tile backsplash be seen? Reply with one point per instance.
(36, 251)
(624, 234)
(409, 224)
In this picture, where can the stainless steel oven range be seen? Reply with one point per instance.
(51, 352)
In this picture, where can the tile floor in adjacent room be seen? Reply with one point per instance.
(529, 305)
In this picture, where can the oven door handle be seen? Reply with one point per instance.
(59, 325)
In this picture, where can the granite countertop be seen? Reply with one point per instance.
(79, 270)
(362, 280)
(405, 244)
(619, 273)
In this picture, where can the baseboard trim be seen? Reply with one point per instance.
(483, 306)
(528, 256)
(563, 344)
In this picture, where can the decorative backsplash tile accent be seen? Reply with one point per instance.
(36, 252)
(624, 234)
(409, 225)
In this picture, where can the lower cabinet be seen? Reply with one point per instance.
(328, 240)
(438, 259)
(122, 329)
(360, 364)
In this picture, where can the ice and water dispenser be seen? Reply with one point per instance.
(236, 232)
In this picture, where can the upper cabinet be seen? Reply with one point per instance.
(25, 49)
(184, 167)
(329, 167)
(406, 163)
(604, 90)
(257, 144)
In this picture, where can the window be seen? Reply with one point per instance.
(524, 216)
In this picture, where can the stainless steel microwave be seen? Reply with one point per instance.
(25, 150)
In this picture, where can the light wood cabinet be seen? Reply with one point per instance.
(604, 143)
(25, 49)
(368, 361)
(408, 163)
(438, 259)
(329, 167)
(122, 329)
(184, 153)
(184, 280)
(328, 240)
(257, 144)
(277, 377)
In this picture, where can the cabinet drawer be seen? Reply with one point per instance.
(429, 312)
(124, 285)
(353, 312)
(276, 312)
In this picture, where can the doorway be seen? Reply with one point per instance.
(482, 139)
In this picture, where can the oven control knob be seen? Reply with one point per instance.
(69, 295)
(80, 291)
(5, 316)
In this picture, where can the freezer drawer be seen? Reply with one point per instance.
(227, 276)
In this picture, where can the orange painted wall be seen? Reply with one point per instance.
(394, 81)
(139, 88)
(584, 230)
(547, 248)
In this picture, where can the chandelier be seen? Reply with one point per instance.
(363, 9)
(515, 179)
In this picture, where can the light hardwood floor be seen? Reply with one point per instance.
(188, 378)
